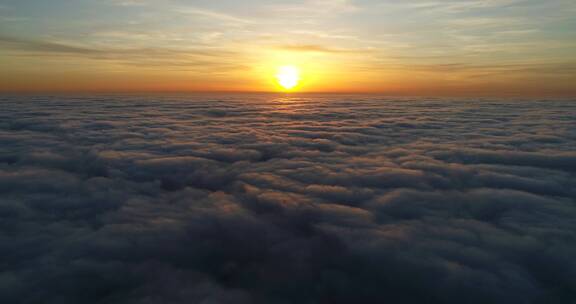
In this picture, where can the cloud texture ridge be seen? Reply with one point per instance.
(303, 199)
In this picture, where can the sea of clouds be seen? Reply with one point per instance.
(263, 199)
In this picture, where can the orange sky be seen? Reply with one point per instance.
(473, 47)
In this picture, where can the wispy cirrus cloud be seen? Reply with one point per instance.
(322, 49)
(211, 14)
(492, 69)
(153, 57)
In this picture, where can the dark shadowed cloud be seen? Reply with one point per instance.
(252, 199)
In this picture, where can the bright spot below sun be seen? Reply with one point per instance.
(288, 77)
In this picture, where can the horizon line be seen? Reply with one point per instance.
(245, 92)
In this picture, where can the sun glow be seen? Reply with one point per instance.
(288, 77)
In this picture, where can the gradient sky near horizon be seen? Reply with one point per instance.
(443, 47)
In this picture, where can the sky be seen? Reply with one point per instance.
(418, 47)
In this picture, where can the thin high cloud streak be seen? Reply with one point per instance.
(497, 46)
(295, 200)
(202, 59)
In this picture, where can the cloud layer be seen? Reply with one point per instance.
(257, 199)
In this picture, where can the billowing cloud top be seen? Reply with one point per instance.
(521, 47)
(289, 200)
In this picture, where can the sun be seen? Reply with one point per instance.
(288, 77)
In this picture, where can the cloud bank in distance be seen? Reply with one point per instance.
(294, 200)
